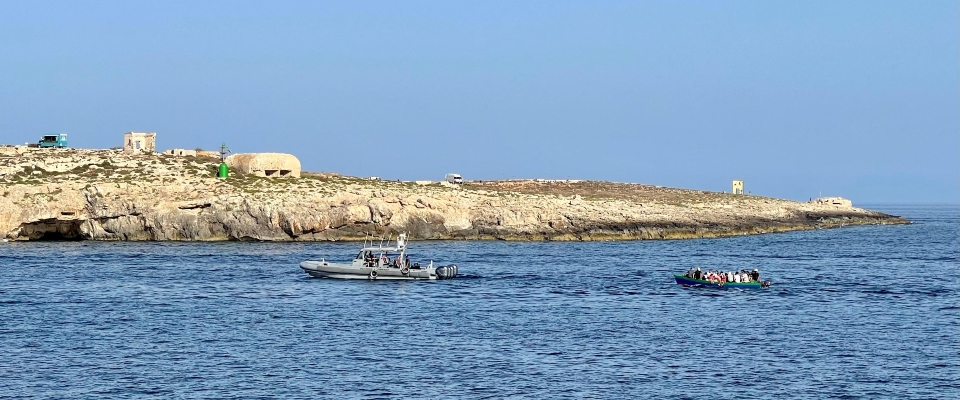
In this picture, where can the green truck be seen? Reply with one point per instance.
(58, 141)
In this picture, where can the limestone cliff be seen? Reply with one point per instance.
(107, 195)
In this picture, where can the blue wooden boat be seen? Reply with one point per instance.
(684, 281)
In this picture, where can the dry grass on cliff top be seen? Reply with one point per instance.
(596, 190)
(93, 166)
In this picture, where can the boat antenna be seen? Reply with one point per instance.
(402, 246)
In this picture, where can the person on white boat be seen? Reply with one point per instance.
(369, 258)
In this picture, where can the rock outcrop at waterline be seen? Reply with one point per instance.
(107, 195)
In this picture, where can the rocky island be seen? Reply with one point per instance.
(75, 194)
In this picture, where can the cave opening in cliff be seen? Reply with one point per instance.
(52, 230)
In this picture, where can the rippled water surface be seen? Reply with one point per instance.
(860, 312)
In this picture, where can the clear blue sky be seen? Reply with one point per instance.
(859, 99)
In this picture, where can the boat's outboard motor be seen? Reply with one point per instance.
(447, 271)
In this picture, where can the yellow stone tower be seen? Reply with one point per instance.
(737, 187)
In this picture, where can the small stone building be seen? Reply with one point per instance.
(738, 187)
(139, 142)
(265, 164)
(181, 152)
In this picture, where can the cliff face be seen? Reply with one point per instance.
(106, 195)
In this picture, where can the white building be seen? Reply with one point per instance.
(833, 201)
(181, 152)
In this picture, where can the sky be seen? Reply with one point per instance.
(859, 99)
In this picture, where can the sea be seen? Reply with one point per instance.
(863, 312)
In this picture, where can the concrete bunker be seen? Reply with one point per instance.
(270, 165)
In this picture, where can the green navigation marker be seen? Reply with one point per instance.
(223, 171)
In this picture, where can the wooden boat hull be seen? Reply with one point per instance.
(683, 280)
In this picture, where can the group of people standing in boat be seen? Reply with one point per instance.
(724, 276)
(370, 259)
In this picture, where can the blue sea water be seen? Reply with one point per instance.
(855, 313)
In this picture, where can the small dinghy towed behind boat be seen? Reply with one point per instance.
(379, 262)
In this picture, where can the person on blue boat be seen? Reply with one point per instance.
(755, 275)
(697, 274)
(716, 277)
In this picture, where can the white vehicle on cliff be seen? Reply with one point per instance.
(455, 179)
(379, 262)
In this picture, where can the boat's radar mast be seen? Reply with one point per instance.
(401, 241)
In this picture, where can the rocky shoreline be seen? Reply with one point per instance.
(72, 194)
